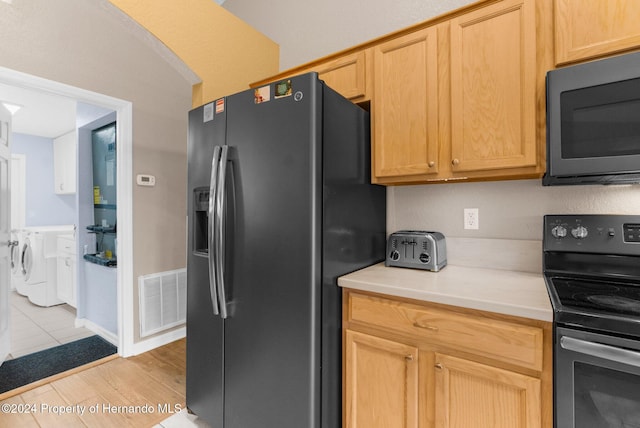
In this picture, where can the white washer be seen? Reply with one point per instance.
(33, 261)
(39, 259)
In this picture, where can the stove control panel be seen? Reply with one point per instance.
(592, 233)
(631, 232)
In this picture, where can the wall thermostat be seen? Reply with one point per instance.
(145, 180)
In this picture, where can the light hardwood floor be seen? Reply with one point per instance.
(140, 391)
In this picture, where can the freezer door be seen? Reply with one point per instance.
(272, 340)
(205, 329)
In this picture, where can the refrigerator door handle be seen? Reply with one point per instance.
(220, 231)
(213, 186)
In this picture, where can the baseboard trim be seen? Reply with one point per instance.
(157, 341)
(105, 334)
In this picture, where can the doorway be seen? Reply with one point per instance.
(123, 113)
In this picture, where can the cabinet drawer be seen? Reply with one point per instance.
(504, 341)
(67, 246)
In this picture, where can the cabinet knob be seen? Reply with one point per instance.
(439, 366)
(431, 164)
(455, 162)
(408, 357)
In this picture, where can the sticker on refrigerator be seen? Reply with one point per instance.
(208, 112)
(262, 95)
(283, 89)
(220, 106)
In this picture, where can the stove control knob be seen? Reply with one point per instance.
(559, 232)
(580, 232)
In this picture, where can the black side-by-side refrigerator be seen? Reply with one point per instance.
(280, 205)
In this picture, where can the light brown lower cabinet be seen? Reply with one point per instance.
(382, 382)
(469, 394)
(410, 364)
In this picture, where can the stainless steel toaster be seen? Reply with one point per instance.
(417, 249)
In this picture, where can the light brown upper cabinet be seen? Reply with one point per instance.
(493, 88)
(405, 106)
(595, 28)
(459, 97)
(348, 74)
(458, 101)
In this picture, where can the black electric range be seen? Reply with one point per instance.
(591, 266)
(592, 271)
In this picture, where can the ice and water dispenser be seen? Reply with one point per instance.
(201, 221)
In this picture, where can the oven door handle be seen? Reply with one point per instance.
(598, 350)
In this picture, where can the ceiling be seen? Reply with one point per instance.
(47, 115)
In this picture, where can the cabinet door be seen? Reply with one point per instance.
(381, 383)
(63, 278)
(493, 97)
(346, 75)
(470, 394)
(64, 163)
(588, 29)
(405, 107)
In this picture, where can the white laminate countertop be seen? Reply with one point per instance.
(520, 294)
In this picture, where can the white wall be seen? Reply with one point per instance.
(43, 207)
(93, 46)
(508, 209)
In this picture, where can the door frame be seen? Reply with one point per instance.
(6, 248)
(124, 178)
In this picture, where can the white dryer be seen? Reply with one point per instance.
(39, 259)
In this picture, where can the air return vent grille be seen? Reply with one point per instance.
(162, 301)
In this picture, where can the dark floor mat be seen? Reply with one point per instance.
(33, 367)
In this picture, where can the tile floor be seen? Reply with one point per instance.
(34, 328)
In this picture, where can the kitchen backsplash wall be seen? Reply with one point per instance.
(510, 216)
(507, 209)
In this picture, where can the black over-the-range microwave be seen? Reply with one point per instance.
(593, 122)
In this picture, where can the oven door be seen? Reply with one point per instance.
(597, 380)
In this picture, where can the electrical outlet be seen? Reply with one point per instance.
(471, 218)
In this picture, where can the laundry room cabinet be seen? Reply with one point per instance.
(64, 163)
(66, 269)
